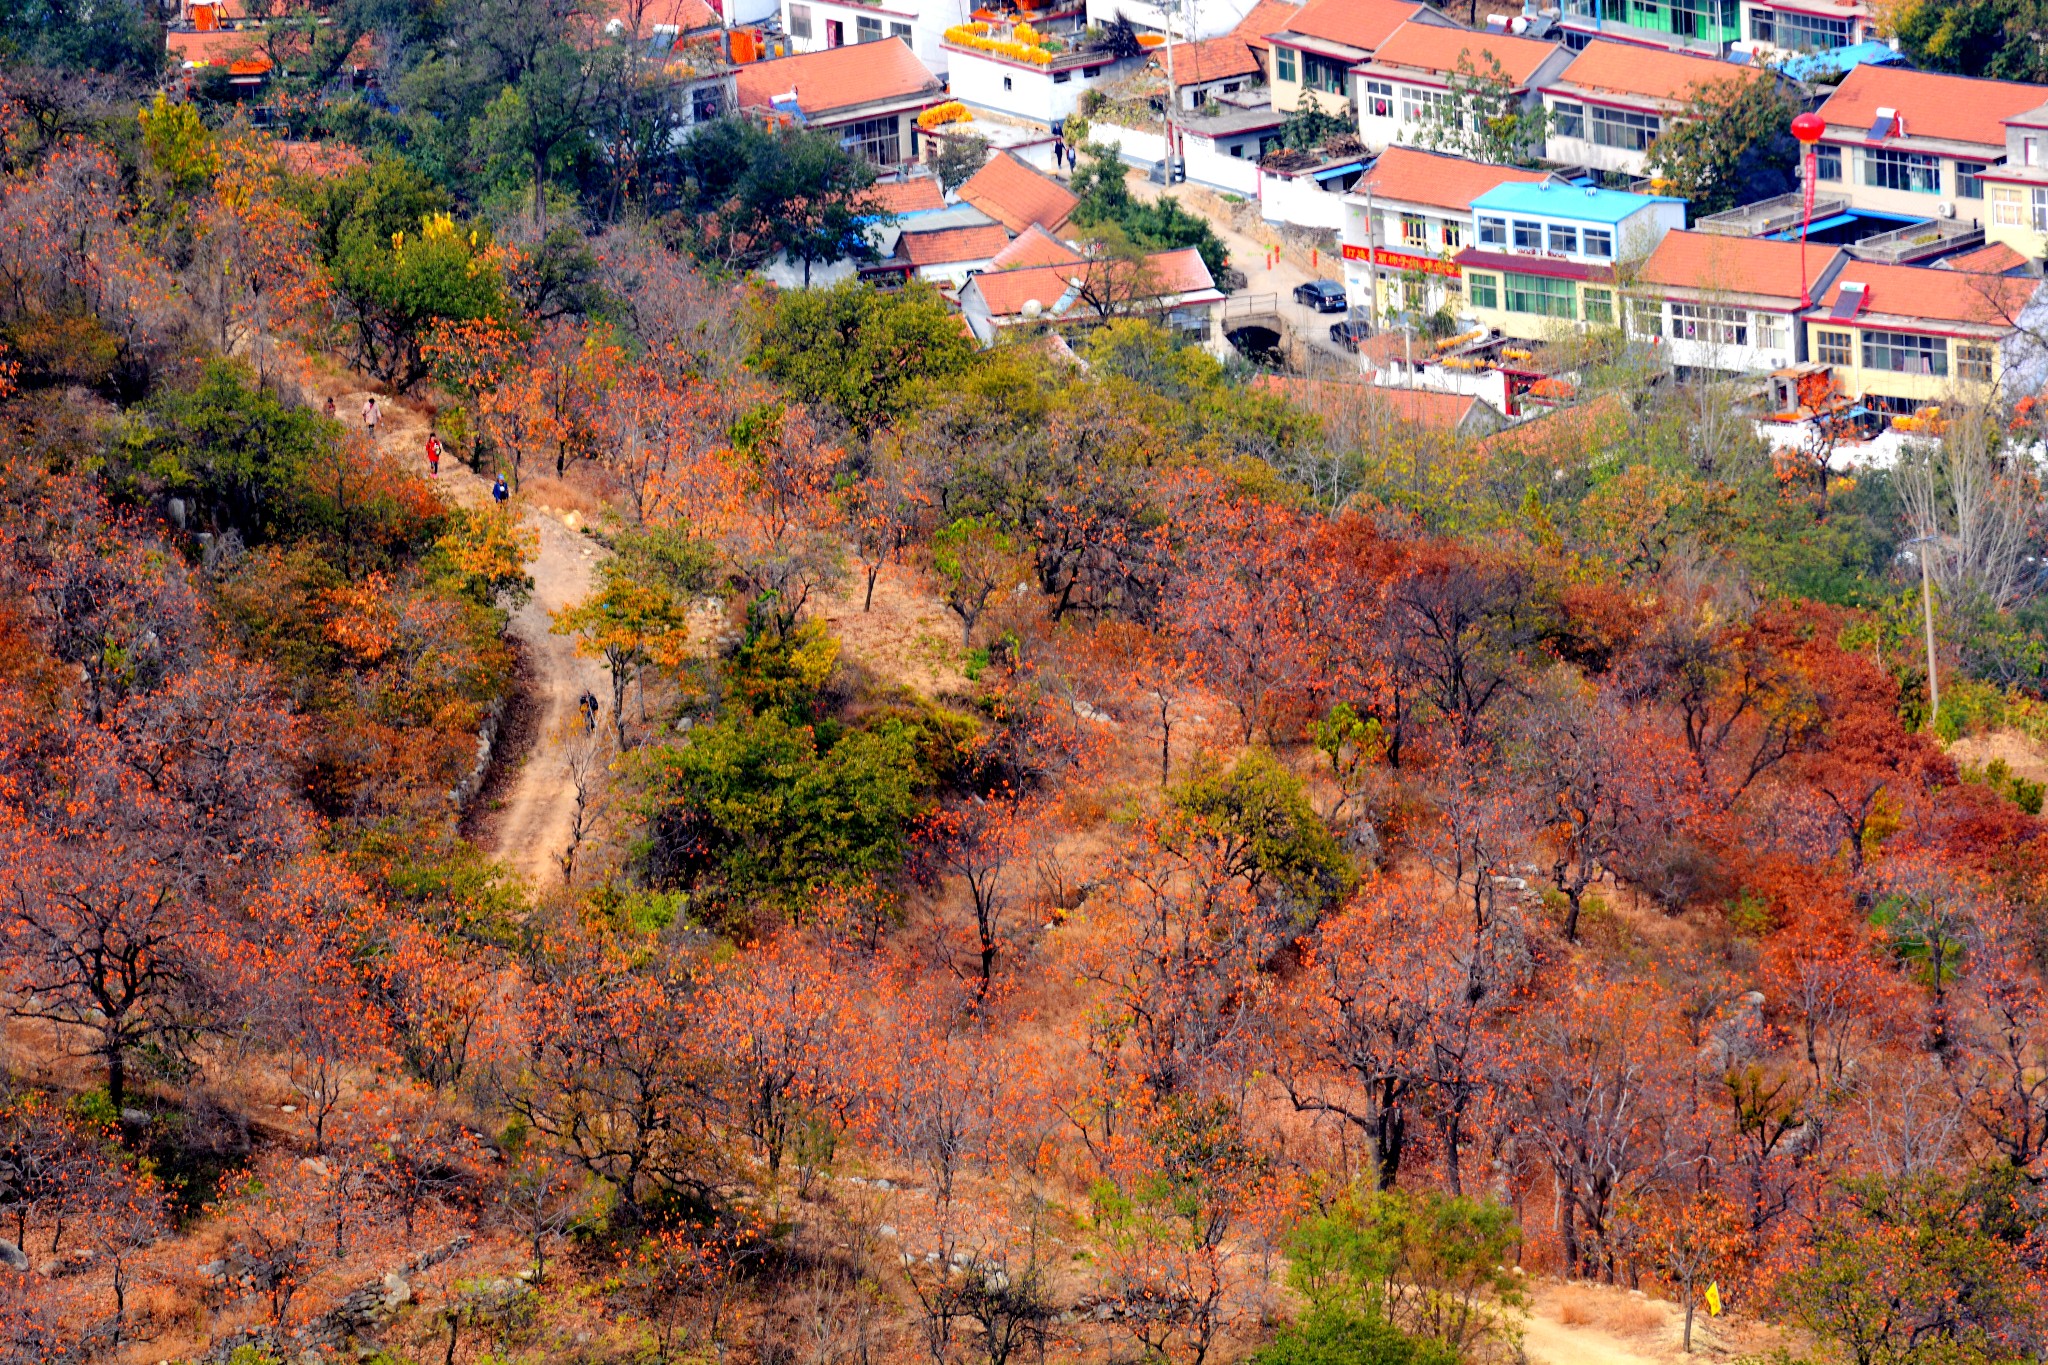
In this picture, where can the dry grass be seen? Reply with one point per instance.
(1611, 1310)
(2022, 756)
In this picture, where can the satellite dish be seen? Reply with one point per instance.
(1032, 308)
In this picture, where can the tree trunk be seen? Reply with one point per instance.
(117, 1077)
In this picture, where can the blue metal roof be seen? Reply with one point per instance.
(1841, 59)
(1567, 201)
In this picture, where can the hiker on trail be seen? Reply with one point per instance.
(587, 704)
(370, 416)
(499, 492)
(330, 407)
(434, 453)
(1059, 156)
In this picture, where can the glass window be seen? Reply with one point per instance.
(1974, 360)
(1414, 229)
(1715, 326)
(899, 31)
(1886, 169)
(1600, 306)
(1493, 231)
(1905, 353)
(1827, 164)
(1541, 295)
(1631, 132)
(1485, 290)
(2041, 210)
(1968, 186)
(1454, 235)
(1528, 236)
(1598, 242)
(1760, 28)
(1321, 73)
(1565, 239)
(2008, 207)
(705, 104)
(799, 21)
(1379, 99)
(1067, 77)
(1417, 104)
(1568, 120)
(877, 139)
(867, 30)
(1798, 32)
(1770, 331)
(1831, 348)
(1283, 64)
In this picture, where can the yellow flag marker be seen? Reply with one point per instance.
(1714, 1299)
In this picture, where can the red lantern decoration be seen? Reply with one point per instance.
(1808, 127)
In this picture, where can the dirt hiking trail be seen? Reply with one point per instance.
(533, 813)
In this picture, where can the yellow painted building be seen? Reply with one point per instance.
(1900, 337)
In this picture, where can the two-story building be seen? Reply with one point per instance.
(1917, 142)
(1172, 286)
(1405, 222)
(1702, 27)
(2016, 189)
(1790, 27)
(1730, 305)
(1547, 257)
(1899, 337)
(819, 25)
(1609, 105)
(1313, 53)
(870, 96)
(1410, 91)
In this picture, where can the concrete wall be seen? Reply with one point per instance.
(1910, 203)
(1208, 163)
(2010, 219)
(1579, 151)
(1300, 201)
(1033, 93)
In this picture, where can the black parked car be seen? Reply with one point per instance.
(1325, 296)
(1349, 333)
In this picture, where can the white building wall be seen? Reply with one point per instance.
(928, 21)
(1301, 201)
(1206, 18)
(1020, 91)
(1210, 163)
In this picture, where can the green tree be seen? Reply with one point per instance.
(1433, 1265)
(1272, 836)
(760, 192)
(397, 287)
(1336, 1337)
(863, 352)
(975, 558)
(763, 810)
(1915, 1270)
(1484, 118)
(958, 158)
(1160, 225)
(634, 619)
(119, 37)
(1733, 145)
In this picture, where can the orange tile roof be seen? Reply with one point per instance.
(685, 16)
(1212, 59)
(1015, 195)
(1361, 24)
(1034, 246)
(220, 47)
(1431, 408)
(1648, 72)
(1995, 259)
(950, 246)
(1577, 429)
(1410, 175)
(1432, 47)
(1951, 108)
(919, 194)
(1169, 273)
(1917, 291)
(1268, 16)
(839, 77)
(1734, 265)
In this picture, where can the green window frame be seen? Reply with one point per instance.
(1484, 290)
(1599, 306)
(1284, 68)
(1540, 295)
